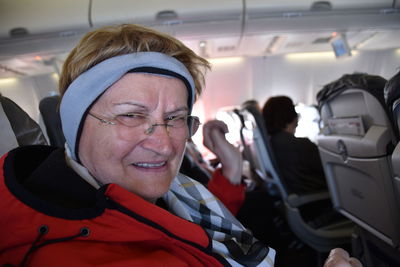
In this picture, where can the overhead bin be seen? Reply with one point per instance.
(177, 17)
(22, 17)
(258, 6)
(306, 15)
(361, 4)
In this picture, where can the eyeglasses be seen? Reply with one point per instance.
(178, 127)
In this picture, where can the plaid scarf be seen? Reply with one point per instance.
(190, 200)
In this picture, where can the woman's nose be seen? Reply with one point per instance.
(158, 139)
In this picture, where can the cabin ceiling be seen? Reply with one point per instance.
(250, 30)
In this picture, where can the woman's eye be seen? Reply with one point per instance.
(130, 115)
(169, 118)
(132, 119)
(176, 121)
(175, 117)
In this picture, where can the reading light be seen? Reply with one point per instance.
(8, 81)
(327, 55)
(312, 55)
(55, 76)
(225, 60)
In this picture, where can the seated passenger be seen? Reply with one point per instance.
(297, 158)
(114, 196)
(226, 181)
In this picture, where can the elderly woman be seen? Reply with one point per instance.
(114, 196)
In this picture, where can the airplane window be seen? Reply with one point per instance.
(308, 122)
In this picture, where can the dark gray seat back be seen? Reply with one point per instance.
(17, 127)
(392, 98)
(48, 107)
(356, 144)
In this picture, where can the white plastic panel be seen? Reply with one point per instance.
(361, 4)
(373, 144)
(305, 5)
(355, 102)
(42, 16)
(362, 190)
(296, 15)
(278, 5)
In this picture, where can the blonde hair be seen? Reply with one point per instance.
(111, 41)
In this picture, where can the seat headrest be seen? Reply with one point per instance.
(8, 140)
(48, 107)
(392, 90)
(371, 83)
(26, 130)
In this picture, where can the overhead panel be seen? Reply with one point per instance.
(361, 4)
(307, 5)
(22, 17)
(307, 15)
(255, 45)
(270, 6)
(183, 18)
(382, 40)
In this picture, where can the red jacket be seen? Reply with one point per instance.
(231, 195)
(109, 233)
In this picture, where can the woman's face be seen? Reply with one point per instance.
(143, 163)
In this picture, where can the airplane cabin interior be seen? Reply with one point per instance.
(257, 49)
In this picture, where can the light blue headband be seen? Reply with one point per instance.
(87, 87)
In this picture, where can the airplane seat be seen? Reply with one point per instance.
(392, 98)
(355, 144)
(48, 107)
(264, 171)
(17, 128)
(322, 238)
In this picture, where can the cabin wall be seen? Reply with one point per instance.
(302, 77)
(299, 77)
(28, 91)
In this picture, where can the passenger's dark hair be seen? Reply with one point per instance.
(278, 112)
(374, 84)
(251, 102)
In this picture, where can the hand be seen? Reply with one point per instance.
(340, 258)
(229, 156)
